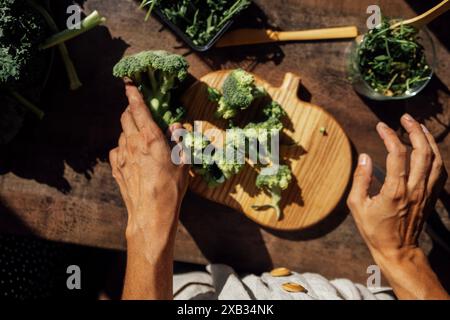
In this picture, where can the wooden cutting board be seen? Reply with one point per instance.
(321, 162)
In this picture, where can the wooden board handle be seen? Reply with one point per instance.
(291, 83)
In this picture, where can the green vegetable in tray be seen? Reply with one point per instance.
(156, 73)
(274, 180)
(201, 20)
(238, 93)
(26, 29)
(391, 60)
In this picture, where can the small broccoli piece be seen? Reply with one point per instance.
(274, 180)
(229, 167)
(195, 143)
(202, 163)
(214, 94)
(238, 93)
(262, 133)
(156, 73)
(274, 110)
(231, 157)
(263, 130)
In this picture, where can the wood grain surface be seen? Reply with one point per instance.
(320, 162)
(56, 181)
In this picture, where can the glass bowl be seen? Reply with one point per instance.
(364, 89)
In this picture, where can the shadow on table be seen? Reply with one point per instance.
(327, 225)
(10, 223)
(80, 127)
(441, 26)
(246, 251)
(429, 107)
(225, 236)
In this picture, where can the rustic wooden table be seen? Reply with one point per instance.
(56, 181)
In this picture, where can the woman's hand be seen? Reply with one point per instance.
(391, 221)
(152, 187)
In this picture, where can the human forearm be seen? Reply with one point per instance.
(149, 268)
(410, 275)
(152, 187)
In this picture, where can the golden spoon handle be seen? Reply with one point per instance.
(315, 34)
(425, 18)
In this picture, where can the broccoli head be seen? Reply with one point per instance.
(274, 180)
(231, 157)
(21, 32)
(238, 93)
(264, 131)
(229, 167)
(156, 73)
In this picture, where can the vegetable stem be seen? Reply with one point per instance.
(74, 81)
(91, 21)
(26, 103)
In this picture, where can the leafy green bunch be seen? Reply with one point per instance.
(391, 60)
(201, 20)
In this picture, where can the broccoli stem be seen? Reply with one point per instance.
(72, 75)
(276, 198)
(26, 103)
(74, 81)
(91, 21)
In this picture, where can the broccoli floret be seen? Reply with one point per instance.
(263, 131)
(229, 167)
(21, 32)
(156, 73)
(238, 93)
(202, 163)
(274, 110)
(231, 157)
(274, 180)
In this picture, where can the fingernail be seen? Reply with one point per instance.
(362, 159)
(424, 128)
(382, 125)
(407, 117)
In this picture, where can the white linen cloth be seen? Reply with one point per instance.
(220, 282)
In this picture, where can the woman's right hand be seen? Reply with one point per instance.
(391, 221)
